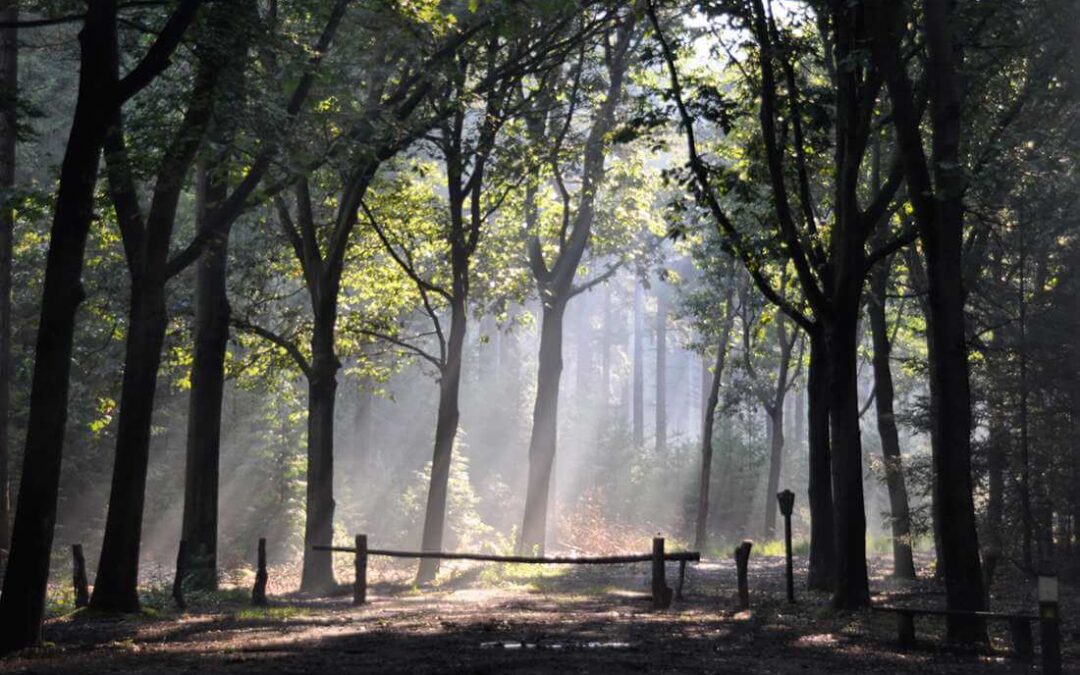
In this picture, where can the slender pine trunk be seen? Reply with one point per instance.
(544, 429)
(661, 371)
(445, 433)
(211, 334)
(900, 514)
(116, 586)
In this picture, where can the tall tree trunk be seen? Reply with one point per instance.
(821, 575)
(9, 86)
(638, 410)
(776, 456)
(544, 430)
(211, 334)
(116, 586)
(900, 520)
(22, 602)
(317, 574)
(852, 585)
(939, 210)
(701, 530)
(661, 370)
(445, 433)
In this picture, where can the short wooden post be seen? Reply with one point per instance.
(661, 594)
(258, 592)
(78, 576)
(1020, 630)
(682, 580)
(787, 505)
(359, 596)
(742, 558)
(181, 573)
(905, 629)
(1050, 624)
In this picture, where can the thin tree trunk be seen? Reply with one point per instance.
(661, 371)
(211, 334)
(116, 586)
(542, 443)
(821, 575)
(900, 520)
(776, 456)
(638, 410)
(9, 85)
(445, 433)
(701, 531)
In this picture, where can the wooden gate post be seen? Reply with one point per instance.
(1050, 624)
(787, 505)
(661, 594)
(258, 593)
(742, 558)
(360, 581)
(78, 576)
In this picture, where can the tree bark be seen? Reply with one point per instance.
(9, 87)
(900, 520)
(22, 603)
(939, 211)
(638, 410)
(701, 530)
(821, 575)
(211, 334)
(852, 584)
(661, 371)
(115, 588)
(445, 433)
(317, 574)
(542, 442)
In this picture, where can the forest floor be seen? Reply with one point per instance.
(528, 619)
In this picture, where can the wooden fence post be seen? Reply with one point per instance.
(258, 593)
(661, 594)
(360, 581)
(787, 505)
(181, 572)
(1050, 624)
(78, 576)
(742, 558)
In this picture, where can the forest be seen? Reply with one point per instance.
(404, 335)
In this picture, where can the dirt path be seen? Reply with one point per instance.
(584, 620)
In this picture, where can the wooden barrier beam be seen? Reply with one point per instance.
(689, 556)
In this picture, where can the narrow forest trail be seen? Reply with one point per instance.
(483, 621)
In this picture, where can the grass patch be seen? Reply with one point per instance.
(281, 613)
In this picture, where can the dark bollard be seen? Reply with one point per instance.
(78, 576)
(787, 504)
(742, 558)
(661, 594)
(360, 564)
(1050, 624)
(258, 592)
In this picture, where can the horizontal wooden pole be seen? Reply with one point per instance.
(692, 556)
(954, 612)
